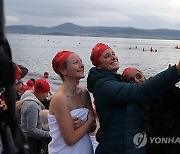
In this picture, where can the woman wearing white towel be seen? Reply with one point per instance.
(70, 101)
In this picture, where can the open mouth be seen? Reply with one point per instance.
(80, 71)
(114, 62)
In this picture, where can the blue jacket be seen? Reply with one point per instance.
(118, 107)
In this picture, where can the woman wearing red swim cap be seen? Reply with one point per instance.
(70, 101)
(118, 102)
(161, 115)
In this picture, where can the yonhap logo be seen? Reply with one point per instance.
(140, 140)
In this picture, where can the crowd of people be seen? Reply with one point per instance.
(124, 105)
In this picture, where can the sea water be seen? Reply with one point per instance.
(37, 51)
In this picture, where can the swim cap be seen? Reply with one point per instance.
(97, 52)
(59, 60)
(41, 86)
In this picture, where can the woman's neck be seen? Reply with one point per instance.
(69, 87)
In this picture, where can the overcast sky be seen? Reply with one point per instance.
(147, 14)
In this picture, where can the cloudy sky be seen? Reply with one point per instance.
(147, 14)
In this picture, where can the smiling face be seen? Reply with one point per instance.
(108, 61)
(75, 67)
(134, 76)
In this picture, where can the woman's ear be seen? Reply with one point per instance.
(99, 66)
(63, 72)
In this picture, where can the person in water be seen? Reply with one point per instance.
(118, 102)
(163, 114)
(70, 101)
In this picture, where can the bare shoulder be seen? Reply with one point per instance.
(58, 102)
(82, 90)
(58, 97)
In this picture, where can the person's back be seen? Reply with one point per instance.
(30, 109)
(30, 120)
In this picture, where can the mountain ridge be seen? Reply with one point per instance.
(71, 29)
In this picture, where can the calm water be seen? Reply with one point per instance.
(36, 52)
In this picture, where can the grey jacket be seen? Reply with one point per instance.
(30, 121)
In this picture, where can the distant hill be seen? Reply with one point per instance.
(70, 29)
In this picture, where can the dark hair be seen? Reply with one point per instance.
(32, 79)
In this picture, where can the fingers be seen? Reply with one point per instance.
(169, 65)
(178, 67)
(75, 118)
(77, 123)
(90, 116)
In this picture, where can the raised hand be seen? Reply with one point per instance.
(178, 67)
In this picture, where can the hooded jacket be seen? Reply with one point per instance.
(30, 120)
(118, 107)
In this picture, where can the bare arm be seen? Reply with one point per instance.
(90, 107)
(60, 108)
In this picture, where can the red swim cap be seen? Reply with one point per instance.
(41, 86)
(59, 59)
(127, 70)
(30, 83)
(18, 72)
(97, 52)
